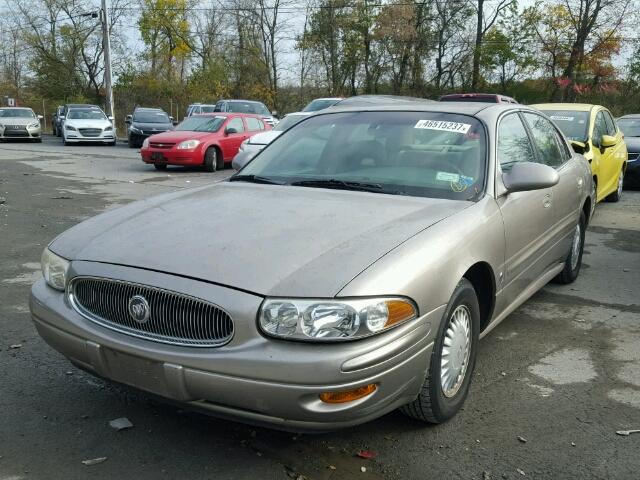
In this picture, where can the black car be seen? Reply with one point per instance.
(630, 126)
(61, 113)
(146, 122)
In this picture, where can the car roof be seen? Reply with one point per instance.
(494, 96)
(228, 114)
(16, 108)
(576, 107)
(148, 109)
(77, 105)
(630, 115)
(242, 101)
(465, 108)
(380, 100)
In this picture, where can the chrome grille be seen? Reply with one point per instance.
(90, 132)
(161, 145)
(173, 318)
(15, 131)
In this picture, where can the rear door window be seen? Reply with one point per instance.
(253, 124)
(546, 139)
(237, 124)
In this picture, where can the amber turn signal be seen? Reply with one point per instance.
(399, 311)
(349, 395)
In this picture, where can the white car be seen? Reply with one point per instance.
(254, 144)
(88, 125)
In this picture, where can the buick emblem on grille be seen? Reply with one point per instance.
(139, 309)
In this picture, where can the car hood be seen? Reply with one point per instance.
(18, 121)
(174, 136)
(81, 123)
(160, 127)
(633, 144)
(266, 239)
(264, 138)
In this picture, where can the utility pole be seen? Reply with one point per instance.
(106, 44)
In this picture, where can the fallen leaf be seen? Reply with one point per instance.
(363, 469)
(522, 439)
(626, 433)
(366, 454)
(17, 345)
(521, 472)
(94, 461)
(332, 467)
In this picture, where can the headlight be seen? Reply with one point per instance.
(145, 143)
(108, 129)
(54, 269)
(135, 130)
(333, 320)
(33, 125)
(70, 127)
(188, 144)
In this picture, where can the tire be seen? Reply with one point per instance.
(113, 144)
(131, 143)
(37, 140)
(211, 159)
(64, 141)
(617, 195)
(160, 166)
(574, 259)
(58, 132)
(54, 130)
(432, 404)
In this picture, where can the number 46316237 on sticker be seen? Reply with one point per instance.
(454, 127)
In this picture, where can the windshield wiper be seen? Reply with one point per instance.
(339, 185)
(254, 179)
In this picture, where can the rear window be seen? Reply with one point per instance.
(629, 126)
(248, 107)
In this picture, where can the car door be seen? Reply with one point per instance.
(230, 143)
(528, 216)
(601, 157)
(553, 151)
(615, 155)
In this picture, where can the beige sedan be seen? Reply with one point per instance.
(20, 123)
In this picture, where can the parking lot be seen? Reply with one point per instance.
(553, 383)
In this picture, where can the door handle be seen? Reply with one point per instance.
(546, 203)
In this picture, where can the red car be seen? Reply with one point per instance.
(210, 140)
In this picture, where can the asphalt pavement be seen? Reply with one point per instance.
(553, 383)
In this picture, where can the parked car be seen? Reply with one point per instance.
(88, 124)
(56, 120)
(61, 113)
(252, 145)
(199, 108)
(210, 140)
(248, 106)
(20, 123)
(347, 271)
(477, 97)
(630, 127)
(321, 104)
(146, 122)
(593, 133)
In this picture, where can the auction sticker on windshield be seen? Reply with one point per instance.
(454, 127)
(562, 118)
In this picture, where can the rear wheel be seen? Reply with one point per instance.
(452, 360)
(160, 166)
(617, 195)
(211, 159)
(131, 143)
(574, 260)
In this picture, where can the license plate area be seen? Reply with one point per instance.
(158, 157)
(136, 372)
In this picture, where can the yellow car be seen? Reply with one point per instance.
(593, 132)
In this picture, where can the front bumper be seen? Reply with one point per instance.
(20, 132)
(76, 136)
(632, 172)
(172, 156)
(252, 379)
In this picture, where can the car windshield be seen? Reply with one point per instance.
(151, 117)
(630, 126)
(289, 121)
(247, 107)
(574, 124)
(201, 124)
(319, 104)
(425, 154)
(86, 114)
(17, 113)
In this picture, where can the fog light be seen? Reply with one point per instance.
(349, 395)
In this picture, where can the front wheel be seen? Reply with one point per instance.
(160, 166)
(617, 195)
(452, 360)
(574, 260)
(211, 159)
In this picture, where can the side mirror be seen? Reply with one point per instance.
(274, 113)
(241, 159)
(40, 117)
(61, 117)
(128, 119)
(579, 147)
(526, 176)
(230, 130)
(608, 141)
(110, 117)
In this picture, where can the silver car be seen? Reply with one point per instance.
(356, 262)
(20, 123)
